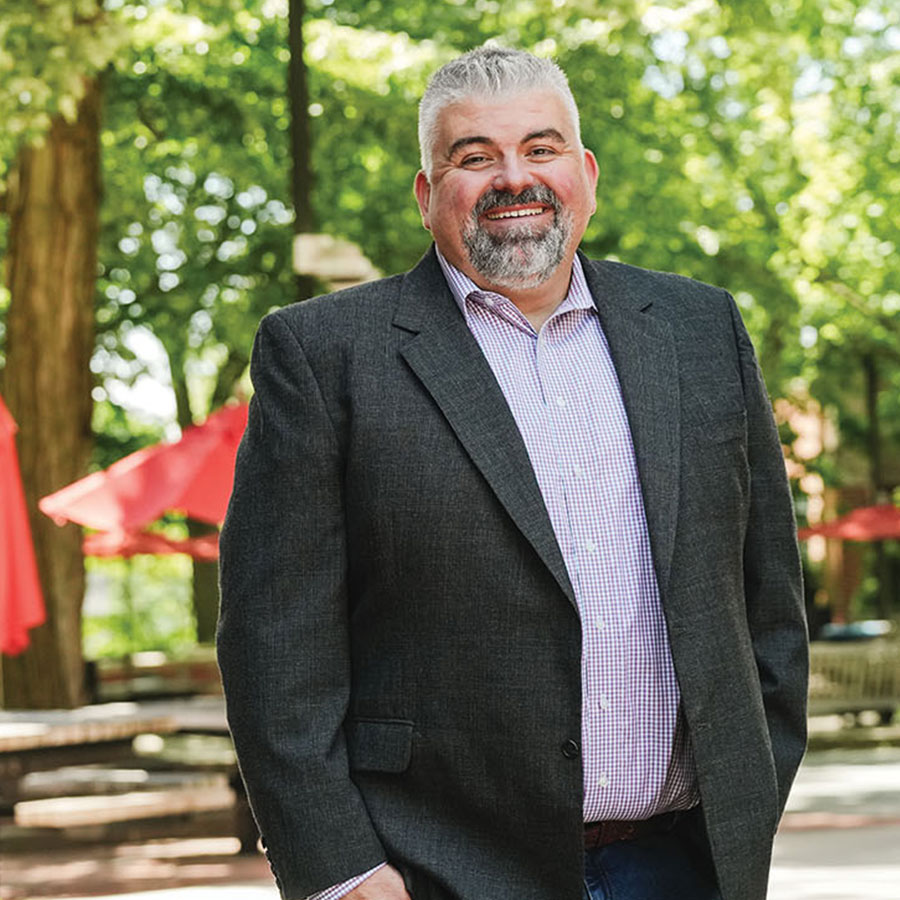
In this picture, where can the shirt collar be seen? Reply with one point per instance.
(463, 288)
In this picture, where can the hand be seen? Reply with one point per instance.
(385, 884)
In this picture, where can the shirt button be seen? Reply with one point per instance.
(599, 624)
(560, 401)
(489, 302)
(603, 780)
(570, 749)
(577, 471)
(603, 701)
(590, 546)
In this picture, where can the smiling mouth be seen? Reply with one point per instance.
(515, 213)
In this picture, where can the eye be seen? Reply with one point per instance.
(542, 152)
(473, 159)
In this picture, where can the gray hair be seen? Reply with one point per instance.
(487, 72)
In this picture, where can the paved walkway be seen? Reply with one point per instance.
(840, 840)
(858, 864)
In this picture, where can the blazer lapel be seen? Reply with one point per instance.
(643, 352)
(448, 361)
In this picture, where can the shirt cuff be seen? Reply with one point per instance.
(333, 893)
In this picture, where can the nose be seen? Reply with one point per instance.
(512, 175)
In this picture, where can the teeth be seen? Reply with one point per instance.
(515, 214)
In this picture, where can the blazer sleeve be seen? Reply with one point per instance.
(772, 576)
(283, 631)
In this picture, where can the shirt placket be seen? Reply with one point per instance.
(565, 398)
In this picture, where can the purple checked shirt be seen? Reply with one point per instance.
(563, 392)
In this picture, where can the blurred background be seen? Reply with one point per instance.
(171, 170)
(159, 159)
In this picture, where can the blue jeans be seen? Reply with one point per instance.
(663, 866)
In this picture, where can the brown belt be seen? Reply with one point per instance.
(599, 834)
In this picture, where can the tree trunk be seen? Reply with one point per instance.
(204, 575)
(301, 140)
(205, 584)
(53, 204)
(880, 493)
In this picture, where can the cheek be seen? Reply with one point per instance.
(463, 201)
(580, 203)
(453, 209)
(573, 190)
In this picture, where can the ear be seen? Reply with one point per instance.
(592, 170)
(423, 197)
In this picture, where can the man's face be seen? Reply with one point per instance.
(510, 192)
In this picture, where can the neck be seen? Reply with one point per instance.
(537, 304)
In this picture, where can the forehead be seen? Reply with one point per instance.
(504, 119)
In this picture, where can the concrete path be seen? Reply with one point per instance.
(858, 864)
(840, 840)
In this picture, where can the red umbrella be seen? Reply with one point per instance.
(21, 602)
(132, 543)
(193, 475)
(868, 523)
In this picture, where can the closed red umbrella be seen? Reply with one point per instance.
(868, 523)
(21, 601)
(194, 475)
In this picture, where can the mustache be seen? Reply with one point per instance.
(538, 193)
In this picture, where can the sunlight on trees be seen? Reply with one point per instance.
(754, 145)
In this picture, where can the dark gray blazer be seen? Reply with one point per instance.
(399, 640)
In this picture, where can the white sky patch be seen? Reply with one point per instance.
(660, 18)
(870, 19)
(151, 395)
(670, 46)
(708, 240)
(273, 9)
(375, 55)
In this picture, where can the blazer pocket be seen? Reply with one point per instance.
(717, 429)
(379, 745)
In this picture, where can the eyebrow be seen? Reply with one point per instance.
(544, 133)
(551, 133)
(464, 142)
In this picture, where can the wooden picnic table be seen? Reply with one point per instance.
(201, 714)
(34, 741)
(38, 740)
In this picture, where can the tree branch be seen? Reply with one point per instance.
(855, 299)
(144, 119)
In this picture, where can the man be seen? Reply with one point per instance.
(510, 591)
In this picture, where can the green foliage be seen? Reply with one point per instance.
(118, 433)
(137, 604)
(750, 144)
(47, 49)
(196, 247)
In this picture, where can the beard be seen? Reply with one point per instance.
(520, 257)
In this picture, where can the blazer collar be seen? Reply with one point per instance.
(643, 352)
(448, 361)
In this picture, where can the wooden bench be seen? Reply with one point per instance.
(854, 677)
(153, 675)
(89, 810)
(39, 740)
(76, 793)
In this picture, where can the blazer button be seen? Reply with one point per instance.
(571, 749)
